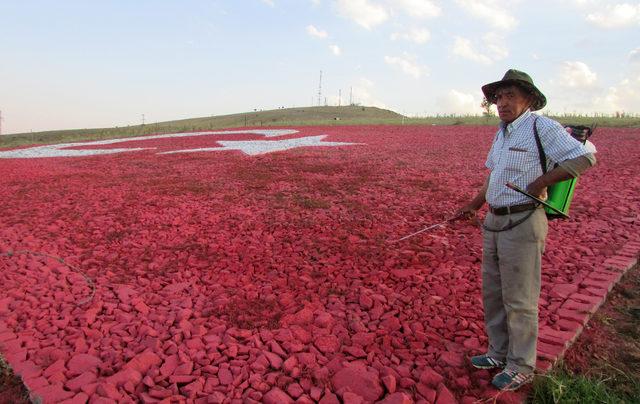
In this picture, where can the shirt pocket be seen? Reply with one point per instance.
(520, 160)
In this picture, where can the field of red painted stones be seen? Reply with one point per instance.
(223, 277)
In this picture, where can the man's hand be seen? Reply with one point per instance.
(537, 188)
(466, 212)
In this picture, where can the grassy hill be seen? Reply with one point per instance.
(346, 115)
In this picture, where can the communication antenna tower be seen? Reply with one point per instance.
(142, 119)
(320, 90)
(351, 96)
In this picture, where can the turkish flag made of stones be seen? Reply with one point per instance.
(255, 264)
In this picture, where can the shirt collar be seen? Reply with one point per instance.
(508, 128)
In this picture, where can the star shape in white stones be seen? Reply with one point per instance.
(256, 147)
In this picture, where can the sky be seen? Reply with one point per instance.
(82, 64)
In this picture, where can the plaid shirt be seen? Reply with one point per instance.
(514, 156)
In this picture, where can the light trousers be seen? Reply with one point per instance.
(511, 263)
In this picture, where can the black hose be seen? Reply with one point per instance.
(511, 225)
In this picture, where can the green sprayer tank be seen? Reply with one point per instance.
(560, 194)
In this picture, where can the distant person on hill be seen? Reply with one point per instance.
(515, 228)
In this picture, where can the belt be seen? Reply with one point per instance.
(507, 210)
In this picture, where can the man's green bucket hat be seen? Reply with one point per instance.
(520, 79)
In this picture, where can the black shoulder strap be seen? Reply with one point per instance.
(541, 153)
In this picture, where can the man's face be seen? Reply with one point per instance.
(511, 102)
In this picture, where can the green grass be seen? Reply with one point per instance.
(11, 388)
(560, 387)
(346, 115)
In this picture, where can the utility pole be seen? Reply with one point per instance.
(0, 123)
(351, 96)
(320, 90)
(339, 97)
(142, 119)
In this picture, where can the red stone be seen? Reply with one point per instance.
(290, 364)
(396, 398)
(445, 396)
(390, 324)
(109, 391)
(76, 383)
(573, 316)
(569, 325)
(52, 394)
(324, 320)
(276, 396)
(169, 366)
(389, 382)
(144, 361)
(355, 351)
(351, 398)
(307, 359)
(83, 363)
(579, 307)
(295, 390)
(274, 360)
(225, 376)
(327, 344)
(125, 375)
(563, 290)
(329, 398)
(80, 398)
(360, 380)
(303, 317)
(27, 369)
(36, 383)
(430, 377)
(452, 359)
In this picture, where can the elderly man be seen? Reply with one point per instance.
(515, 227)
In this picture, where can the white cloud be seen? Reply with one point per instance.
(363, 12)
(315, 2)
(418, 8)
(622, 97)
(494, 12)
(576, 89)
(634, 56)
(616, 16)
(407, 64)
(495, 49)
(417, 35)
(576, 75)
(335, 49)
(460, 103)
(363, 94)
(315, 32)
(462, 47)
(495, 45)
(269, 3)
(625, 97)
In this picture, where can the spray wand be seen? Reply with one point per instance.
(543, 202)
(433, 226)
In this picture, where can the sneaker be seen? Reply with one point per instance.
(486, 362)
(509, 380)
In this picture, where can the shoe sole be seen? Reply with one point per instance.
(499, 366)
(486, 367)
